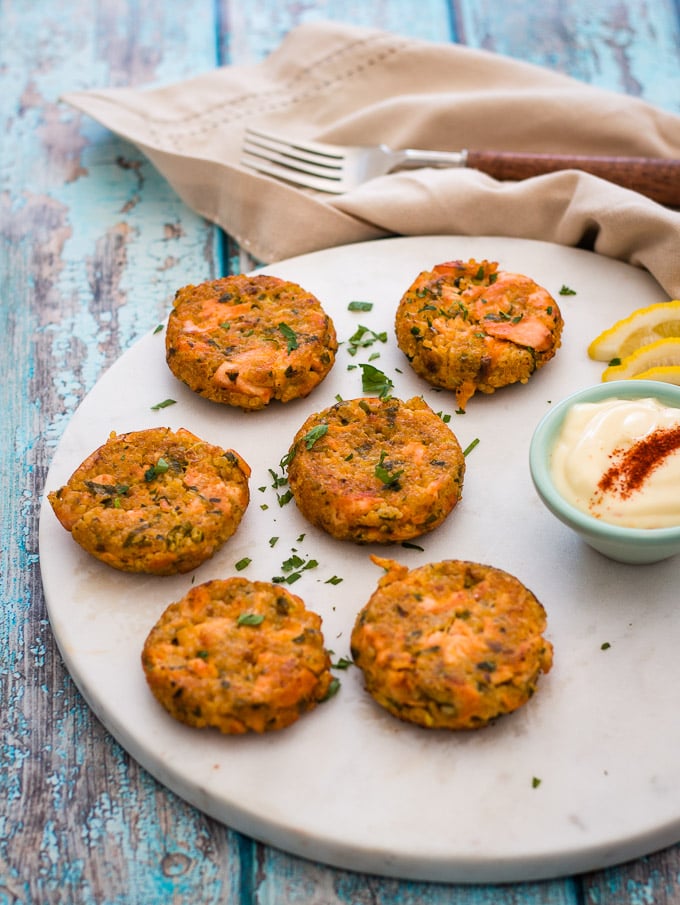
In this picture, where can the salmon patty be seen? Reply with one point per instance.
(376, 470)
(467, 326)
(156, 501)
(450, 645)
(238, 655)
(245, 340)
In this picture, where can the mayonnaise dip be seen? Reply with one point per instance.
(619, 460)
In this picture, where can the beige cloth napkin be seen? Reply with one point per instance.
(352, 85)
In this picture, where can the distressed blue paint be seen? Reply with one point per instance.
(260, 25)
(631, 47)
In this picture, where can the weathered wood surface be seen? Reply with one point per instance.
(93, 244)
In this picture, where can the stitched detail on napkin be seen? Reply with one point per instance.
(304, 84)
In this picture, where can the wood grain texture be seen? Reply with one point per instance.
(93, 244)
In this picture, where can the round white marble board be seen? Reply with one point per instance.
(585, 775)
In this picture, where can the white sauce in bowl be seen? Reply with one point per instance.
(619, 460)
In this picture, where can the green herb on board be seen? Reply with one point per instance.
(333, 689)
(163, 405)
(375, 382)
(364, 337)
(471, 446)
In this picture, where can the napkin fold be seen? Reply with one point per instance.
(359, 86)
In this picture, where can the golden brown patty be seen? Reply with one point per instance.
(157, 500)
(237, 655)
(467, 326)
(245, 340)
(376, 470)
(450, 645)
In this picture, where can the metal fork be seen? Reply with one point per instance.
(337, 169)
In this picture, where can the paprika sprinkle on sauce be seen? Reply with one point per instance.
(619, 460)
(636, 463)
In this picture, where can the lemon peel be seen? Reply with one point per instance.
(664, 353)
(664, 373)
(641, 328)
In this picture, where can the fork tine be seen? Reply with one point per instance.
(317, 154)
(288, 174)
(319, 167)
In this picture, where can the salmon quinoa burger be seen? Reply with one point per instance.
(156, 501)
(238, 655)
(246, 340)
(467, 326)
(450, 645)
(375, 470)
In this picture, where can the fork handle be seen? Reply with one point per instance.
(656, 177)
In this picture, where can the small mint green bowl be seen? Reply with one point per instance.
(628, 545)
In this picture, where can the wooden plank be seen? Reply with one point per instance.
(631, 46)
(257, 27)
(93, 245)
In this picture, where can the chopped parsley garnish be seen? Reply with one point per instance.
(444, 416)
(290, 337)
(363, 337)
(158, 328)
(242, 564)
(342, 663)
(605, 645)
(374, 381)
(360, 306)
(333, 580)
(155, 470)
(471, 446)
(535, 782)
(163, 405)
(565, 290)
(250, 619)
(316, 433)
(614, 362)
(281, 480)
(333, 689)
(383, 471)
(293, 567)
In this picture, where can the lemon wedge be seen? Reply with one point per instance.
(642, 327)
(666, 374)
(664, 353)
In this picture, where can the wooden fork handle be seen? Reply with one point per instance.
(657, 178)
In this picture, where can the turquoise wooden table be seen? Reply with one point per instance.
(84, 221)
